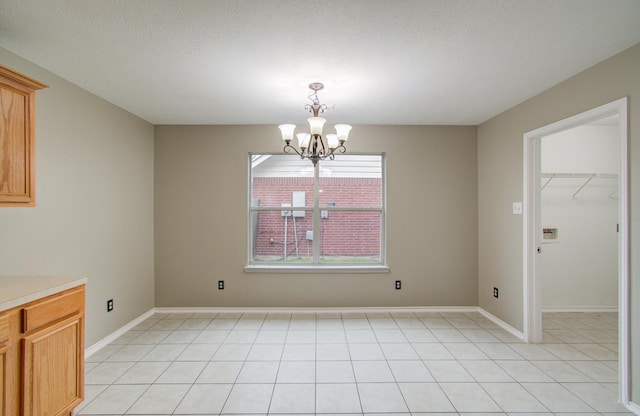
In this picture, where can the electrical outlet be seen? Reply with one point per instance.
(109, 305)
(221, 284)
(398, 284)
(495, 292)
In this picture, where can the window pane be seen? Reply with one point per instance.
(350, 236)
(281, 180)
(281, 236)
(350, 210)
(351, 181)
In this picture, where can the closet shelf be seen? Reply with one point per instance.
(587, 176)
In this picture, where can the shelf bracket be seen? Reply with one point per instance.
(583, 185)
(546, 183)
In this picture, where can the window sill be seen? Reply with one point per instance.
(374, 268)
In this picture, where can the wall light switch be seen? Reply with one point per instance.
(517, 208)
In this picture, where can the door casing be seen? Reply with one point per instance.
(532, 224)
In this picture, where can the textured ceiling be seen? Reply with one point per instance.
(382, 62)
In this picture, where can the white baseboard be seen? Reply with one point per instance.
(502, 324)
(633, 407)
(89, 351)
(320, 309)
(590, 309)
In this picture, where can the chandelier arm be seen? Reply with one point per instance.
(287, 149)
(332, 152)
(322, 150)
(316, 109)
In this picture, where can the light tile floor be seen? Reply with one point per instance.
(354, 363)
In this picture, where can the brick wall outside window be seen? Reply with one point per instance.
(343, 233)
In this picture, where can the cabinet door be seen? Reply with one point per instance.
(15, 175)
(17, 125)
(53, 382)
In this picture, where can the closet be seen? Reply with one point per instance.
(579, 212)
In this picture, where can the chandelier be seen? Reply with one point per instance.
(312, 145)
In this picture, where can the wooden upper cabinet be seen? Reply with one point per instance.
(17, 138)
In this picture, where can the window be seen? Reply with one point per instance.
(323, 217)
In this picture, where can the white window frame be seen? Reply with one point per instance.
(317, 267)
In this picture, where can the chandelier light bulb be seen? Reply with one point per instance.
(332, 141)
(287, 131)
(342, 130)
(303, 140)
(315, 124)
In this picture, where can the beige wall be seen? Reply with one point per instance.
(201, 220)
(500, 155)
(94, 213)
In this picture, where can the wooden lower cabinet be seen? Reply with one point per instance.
(52, 381)
(42, 363)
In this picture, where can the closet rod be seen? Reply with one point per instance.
(579, 175)
(588, 176)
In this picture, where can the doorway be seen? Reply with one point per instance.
(579, 213)
(533, 227)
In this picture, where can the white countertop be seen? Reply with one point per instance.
(18, 290)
